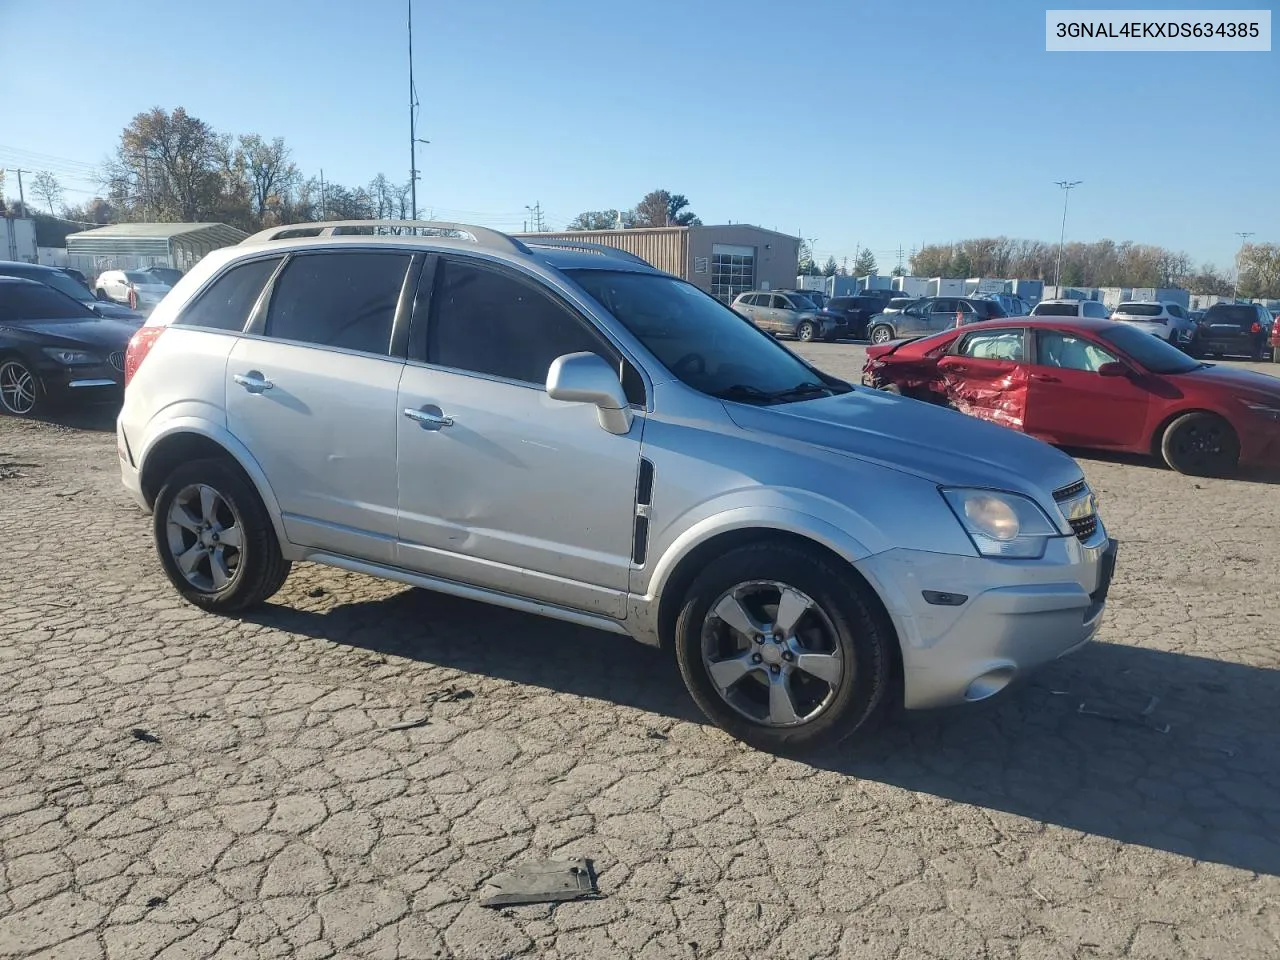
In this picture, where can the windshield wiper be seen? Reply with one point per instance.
(750, 394)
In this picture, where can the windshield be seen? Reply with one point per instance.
(1235, 315)
(1140, 309)
(136, 276)
(1055, 310)
(802, 302)
(1152, 352)
(34, 301)
(699, 340)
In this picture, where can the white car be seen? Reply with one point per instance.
(141, 291)
(1089, 309)
(1168, 321)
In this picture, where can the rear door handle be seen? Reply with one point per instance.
(253, 381)
(431, 418)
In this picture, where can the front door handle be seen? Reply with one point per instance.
(431, 418)
(253, 381)
(1045, 378)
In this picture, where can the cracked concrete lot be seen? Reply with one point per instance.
(175, 785)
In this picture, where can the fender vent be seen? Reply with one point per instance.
(644, 498)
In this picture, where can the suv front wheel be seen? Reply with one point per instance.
(215, 538)
(781, 649)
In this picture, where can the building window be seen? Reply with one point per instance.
(733, 271)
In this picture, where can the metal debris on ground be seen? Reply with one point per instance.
(449, 694)
(139, 734)
(1142, 719)
(543, 881)
(315, 592)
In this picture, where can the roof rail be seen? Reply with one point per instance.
(330, 228)
(601, 248)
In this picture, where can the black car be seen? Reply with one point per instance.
(54, 349)
(61, 280)
(1233, 329)
(858, 310)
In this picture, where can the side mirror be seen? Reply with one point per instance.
(587, 378)
(1113, 369)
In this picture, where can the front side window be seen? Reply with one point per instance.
(489, 322)
(701, 343)
(1068, 352)
(993, 345)
(1152, 352)
(228, 301)
(341, 300)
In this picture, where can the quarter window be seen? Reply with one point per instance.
(487, 322)
(229, 300)
(342, 300)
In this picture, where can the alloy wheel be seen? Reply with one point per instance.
(205, 537)
(17, 388)
(772, 654)
(880, 335)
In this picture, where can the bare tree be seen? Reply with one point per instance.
(46, 186)
(269, 172)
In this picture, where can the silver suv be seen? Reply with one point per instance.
(573, 433)
(788, 314)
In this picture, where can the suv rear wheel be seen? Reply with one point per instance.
(781, 649)
(881, 333)
(215, 538)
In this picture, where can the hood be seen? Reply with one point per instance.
(1235, 379)
(928, 441)
(101, 333)
(113, 310)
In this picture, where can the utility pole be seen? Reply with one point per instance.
(324, 207)
(414, 139)
(535, 214)
(901, 271)
(1244, 236)
(1067, 186)
(22, 199)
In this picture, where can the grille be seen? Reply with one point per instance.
(117, 360)
(1067, 492)
(1085, 527)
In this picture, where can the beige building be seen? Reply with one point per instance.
(723, 260)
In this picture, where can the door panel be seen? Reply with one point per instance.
(1069, 403)
(994, 390)
(521, 493)
(324, 433)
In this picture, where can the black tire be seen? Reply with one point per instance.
(1200, 445)
(880, 333)
(830, 338)
(864, 637)
(260, 569)
(805, 331)
(18, 400)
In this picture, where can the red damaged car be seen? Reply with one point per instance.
(1091, 383)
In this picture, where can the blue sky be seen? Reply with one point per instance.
(854, 123)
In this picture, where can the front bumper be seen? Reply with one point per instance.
(89, 383)
(1016, 616)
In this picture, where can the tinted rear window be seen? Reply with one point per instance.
(1232, 314)
(1056, 310)
(1140, 309)
(226, 304)
(989, 309)
(343, 300)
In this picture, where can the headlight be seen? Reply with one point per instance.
(69, 358)
(1002, 524)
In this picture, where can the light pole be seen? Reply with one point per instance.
(1067, 186)
(1244, 238)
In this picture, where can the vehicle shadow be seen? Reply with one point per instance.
(1252, 475)
(1169, 751)
(96, 417)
